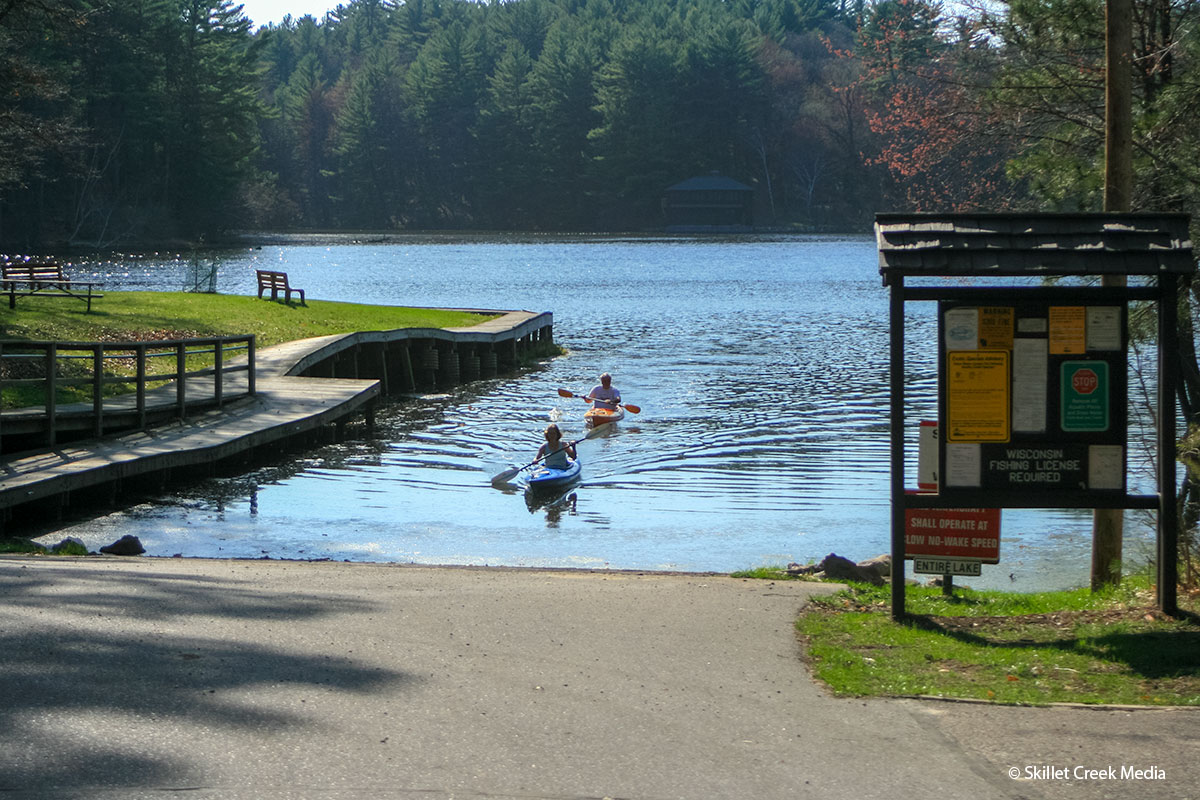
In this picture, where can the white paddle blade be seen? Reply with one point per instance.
(506, 476)
(594, 432)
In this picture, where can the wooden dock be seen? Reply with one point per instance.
(290, 403)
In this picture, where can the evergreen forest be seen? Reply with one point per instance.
(124, 122)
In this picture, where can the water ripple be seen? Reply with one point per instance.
(761, 365)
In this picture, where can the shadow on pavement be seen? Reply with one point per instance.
(89, 658)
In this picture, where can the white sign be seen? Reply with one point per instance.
(1032, 325)
(964, 463)
(1104, 328)
(962, 329)
(948, 566)
(1106, 466)
(927, 456)
(1030, 368)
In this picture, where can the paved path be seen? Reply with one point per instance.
(264, 679)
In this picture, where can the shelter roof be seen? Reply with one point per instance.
(1001, 244)
(713, 182)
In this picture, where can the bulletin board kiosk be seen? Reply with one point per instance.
(1033, 376)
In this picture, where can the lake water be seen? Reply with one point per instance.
(760, 365)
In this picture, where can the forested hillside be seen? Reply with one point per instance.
(148, 120)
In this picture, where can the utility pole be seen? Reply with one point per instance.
(1108, 524)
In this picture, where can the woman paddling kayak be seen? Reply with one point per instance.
(555, 470)
(553, 453)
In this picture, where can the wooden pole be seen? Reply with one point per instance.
(1108, 524)
(1168, 512)
(1118, 107)
(896, 378)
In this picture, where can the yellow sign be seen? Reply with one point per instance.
(977, 399)
(1068, 330)
(996, 328)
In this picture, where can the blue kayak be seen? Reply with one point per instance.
(543, 477)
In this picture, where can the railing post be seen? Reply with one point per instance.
(1, 392)
(218, 371)
(250, 376)
(140, 352)
(98, 389)
(51, 394)
(181, 378)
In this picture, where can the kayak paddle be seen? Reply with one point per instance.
(509, 474)
(629, 406)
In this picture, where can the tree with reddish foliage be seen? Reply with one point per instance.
(931, 136)
(937, 149)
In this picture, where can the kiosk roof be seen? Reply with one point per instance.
(1000, 244)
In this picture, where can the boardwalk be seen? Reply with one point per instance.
(285, 406)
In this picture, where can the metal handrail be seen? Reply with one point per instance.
(140, 353)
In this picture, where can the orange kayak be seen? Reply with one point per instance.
(600, 416)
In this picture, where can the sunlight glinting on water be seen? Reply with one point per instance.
(760, 365)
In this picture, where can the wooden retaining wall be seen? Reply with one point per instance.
(420, 359)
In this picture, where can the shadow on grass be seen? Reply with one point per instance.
(1153, 654)
(101, 688)
(1188, 616)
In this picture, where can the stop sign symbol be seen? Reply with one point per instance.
(1085, 381)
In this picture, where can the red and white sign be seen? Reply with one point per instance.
(964, 533)
(953, 533)
(1085, 381)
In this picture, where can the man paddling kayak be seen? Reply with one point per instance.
(605, 396)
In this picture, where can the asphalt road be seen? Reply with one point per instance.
(132, 678)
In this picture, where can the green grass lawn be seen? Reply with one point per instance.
(158, 316)
(1080, 647)
(141, 316)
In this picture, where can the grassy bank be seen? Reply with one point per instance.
(142, 316)
(1048, 647)
(157, 316)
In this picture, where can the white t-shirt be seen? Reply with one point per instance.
(605, 398)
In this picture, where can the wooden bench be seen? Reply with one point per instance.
(43, 279)
(277, 282)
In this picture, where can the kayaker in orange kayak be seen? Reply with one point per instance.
(605, 396)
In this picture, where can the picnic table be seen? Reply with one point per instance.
(43, 279)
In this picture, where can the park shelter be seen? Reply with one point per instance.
(709, 204)
(919, 252)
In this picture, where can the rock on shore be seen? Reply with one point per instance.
(125, 546)
(836, 568)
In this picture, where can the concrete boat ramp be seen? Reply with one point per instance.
(306, 391)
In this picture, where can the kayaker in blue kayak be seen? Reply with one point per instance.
(554, 451)
(605, 395)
